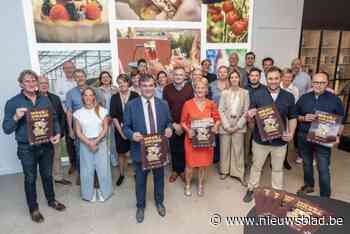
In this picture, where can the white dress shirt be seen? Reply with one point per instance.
(63, 85)
(146, 115)
(263, 78)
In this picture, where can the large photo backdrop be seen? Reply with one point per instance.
(112, 35)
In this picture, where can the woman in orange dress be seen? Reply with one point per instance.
(198, 108)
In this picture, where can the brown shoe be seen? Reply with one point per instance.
(36, 216)
(172, 178)
(57, 206)
(71, 170)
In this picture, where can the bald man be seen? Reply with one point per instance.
(234, 59)
(318, 99)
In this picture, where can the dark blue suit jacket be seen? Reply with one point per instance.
(134, 121)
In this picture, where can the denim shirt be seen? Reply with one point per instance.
(9, 125)
(73, 99)
(308, 104)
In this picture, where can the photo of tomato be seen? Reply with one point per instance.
(228, 21)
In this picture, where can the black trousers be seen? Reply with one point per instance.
(31, 158)
(141, 184)
(70, 145)
(177, 150)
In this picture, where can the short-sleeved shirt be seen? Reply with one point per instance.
(285, 105)
(90, 122)
(309, 103)
(73, 100)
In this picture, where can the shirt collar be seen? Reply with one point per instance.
(37, 94)
(144, 100)
(179, 87)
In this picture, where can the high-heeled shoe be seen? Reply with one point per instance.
(200, 190)
(188, 191)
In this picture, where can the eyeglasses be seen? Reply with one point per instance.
(319, 83)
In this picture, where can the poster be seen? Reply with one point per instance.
(93, 61)
(162, 48)
(77, 21)
(172, 10)
(228, 21)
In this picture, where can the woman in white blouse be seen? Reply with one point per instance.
(233, 105)
(91, 128)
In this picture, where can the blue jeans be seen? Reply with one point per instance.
(90, 162)
(141, 184)
(31, 157)
(322, 155)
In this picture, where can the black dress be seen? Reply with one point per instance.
(116, 112)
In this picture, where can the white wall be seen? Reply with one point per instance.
(276, 30)
(14, 58)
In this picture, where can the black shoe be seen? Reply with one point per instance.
(248, 197)
(140, 215)
(57, 206)
(286, 165)
(120, 180)
(36, 216)
(305, 189)
(63, 182)
(161, 210)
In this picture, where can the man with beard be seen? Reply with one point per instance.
(284, 102)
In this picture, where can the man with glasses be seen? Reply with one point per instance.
(32, 156)
(322, 100)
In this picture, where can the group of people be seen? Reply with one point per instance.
(101, 123)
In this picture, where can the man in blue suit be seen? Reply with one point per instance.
(145, 115)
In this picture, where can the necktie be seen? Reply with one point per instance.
(152, 125)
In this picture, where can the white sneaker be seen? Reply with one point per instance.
(94, 196)
(100, 197)
(299, 160)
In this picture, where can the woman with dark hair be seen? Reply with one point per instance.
(118, 102)
(104, 93)
(162, 81)
(233, 105)
(91, 126)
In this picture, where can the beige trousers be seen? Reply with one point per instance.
(57, 167)
(260, 153)
(232, 155)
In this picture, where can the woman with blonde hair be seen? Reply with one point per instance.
(198, 108)
(234, 103)
(91, 125)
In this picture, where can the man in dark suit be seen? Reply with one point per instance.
(145, 115)
(57, 106)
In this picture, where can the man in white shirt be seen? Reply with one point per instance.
(63, 85)
(303, 82)
(66, 82)
(301, 79)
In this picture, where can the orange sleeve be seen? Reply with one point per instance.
(185, 117)
(214, 112)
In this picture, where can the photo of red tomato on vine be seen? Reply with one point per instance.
(227, 22)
